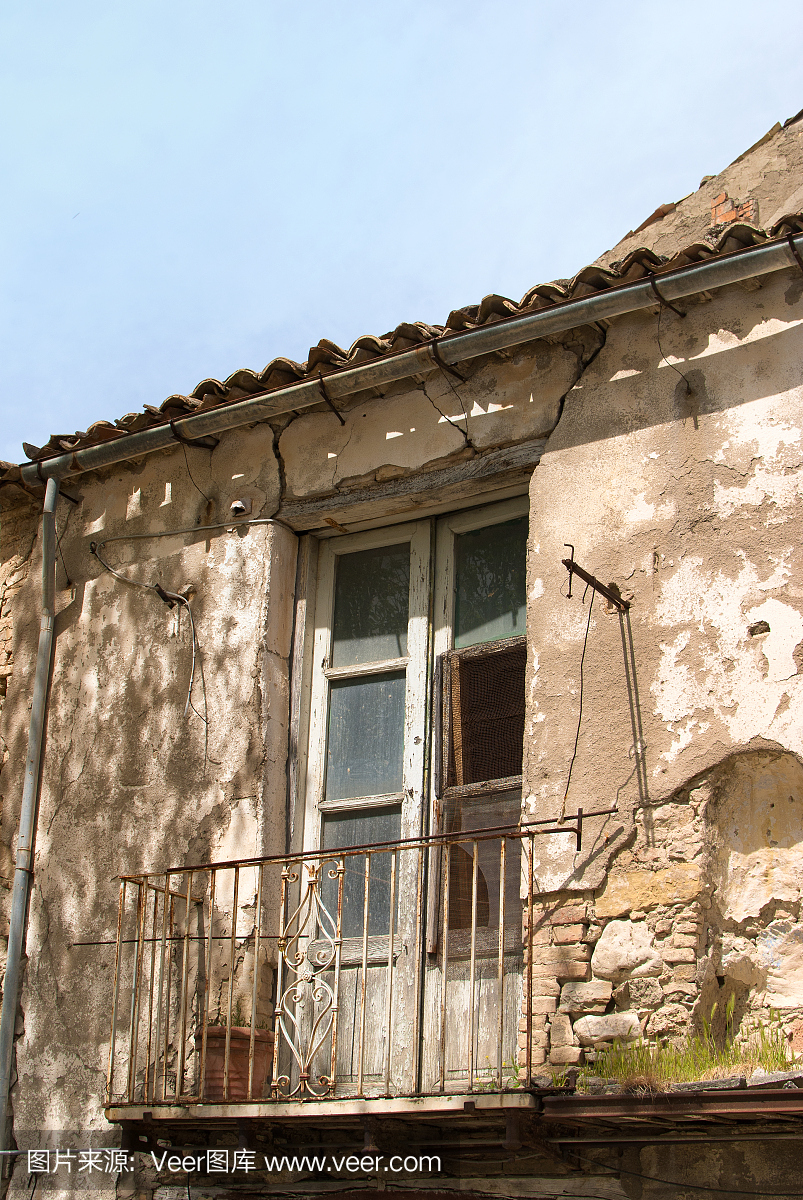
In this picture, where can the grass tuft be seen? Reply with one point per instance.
(644, 1069)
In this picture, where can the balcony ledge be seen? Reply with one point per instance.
(312, 1110)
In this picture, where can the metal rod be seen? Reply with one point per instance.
(26, 836)
(134, 1031)
(341, 873)
(575, 569)
(363, 980)
(168, 989)
(150, 1078)
(419, 968)
(252, 1040)
(615, 301)
(277, 1012)
(182, 1012)
(529, 1019)
(116, 990)
(472, 967)
(389, 986)
(207, 983)
(500, 979)
(160, 997)
(523, 829)
(233, 946)
(442, 1055)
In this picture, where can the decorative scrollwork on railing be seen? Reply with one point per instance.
(306, 1007)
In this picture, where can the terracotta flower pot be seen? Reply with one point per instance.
(239, 1047)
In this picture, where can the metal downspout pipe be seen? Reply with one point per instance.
(30, 803)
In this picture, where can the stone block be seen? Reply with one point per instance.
(622, 1027)
(645, 993)
(685, 971)
(687, 927)
(663, 926)
(566, 1056)
(560, 1031)
(685, 939)
(679, 954)
(566, 934)
(585, 997)
(626, 950)
(670, 1021)
(679, 987)
(643, 889)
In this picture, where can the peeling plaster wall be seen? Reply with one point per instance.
(689, 505)
(130, 784)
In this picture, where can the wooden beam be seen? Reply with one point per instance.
(505, 467)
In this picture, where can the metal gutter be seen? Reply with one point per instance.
(30, 802)
(452, 348)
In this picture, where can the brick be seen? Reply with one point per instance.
(679, 954)
(568, 916)
(684, 939)
(581, 972)
(566, 934)
(566, 1055)
(561, 954)
(537, 1057)
(545, 985)
(539, 1037)
(560, 1031)
(686, 972)
(539, 937)
(544, 1004)
(687, 927)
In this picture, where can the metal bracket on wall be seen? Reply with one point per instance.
(328, 399)
(575, 569)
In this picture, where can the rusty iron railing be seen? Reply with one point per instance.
(393, 969)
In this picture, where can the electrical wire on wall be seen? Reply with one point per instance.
(171, 599)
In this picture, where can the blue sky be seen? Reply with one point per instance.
(190, 188)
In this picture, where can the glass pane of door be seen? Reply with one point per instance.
(491, 583)
(366, 736)
(369, 827)
(372, 590)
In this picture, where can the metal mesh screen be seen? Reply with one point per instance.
(486, 713)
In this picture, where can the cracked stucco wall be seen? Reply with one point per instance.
(504, 399)
(128, 783)
(690, 505)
